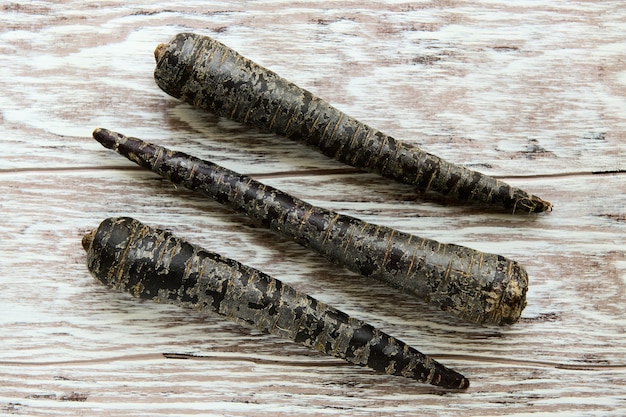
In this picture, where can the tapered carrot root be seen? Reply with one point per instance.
(154, 264)
(480, 287)
(209, 75)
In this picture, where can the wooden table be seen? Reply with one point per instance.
(531, 93)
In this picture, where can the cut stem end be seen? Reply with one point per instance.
(158, 52)
(88, 240)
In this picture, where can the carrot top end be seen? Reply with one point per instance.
(159, 51)
(88, 239)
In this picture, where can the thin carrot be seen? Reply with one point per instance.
(154, 264)
(211, 76)
(477, 286)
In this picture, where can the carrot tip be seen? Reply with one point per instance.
(532, 204)
(451, 379)
(465, 383)
(541, 206)
(105, 137)
(547, 206)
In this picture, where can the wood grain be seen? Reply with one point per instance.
(528, 92)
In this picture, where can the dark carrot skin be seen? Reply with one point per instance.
(154, 264)
(209, 75)
(480, 287)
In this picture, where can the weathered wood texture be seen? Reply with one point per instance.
(531, 92)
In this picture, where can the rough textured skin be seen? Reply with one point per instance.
(480, 287)
(153, 264)
(209, 75)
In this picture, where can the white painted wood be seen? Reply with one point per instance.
(533, 92)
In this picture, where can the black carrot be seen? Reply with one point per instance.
(154, 264)
(209, 75)
(477, 286)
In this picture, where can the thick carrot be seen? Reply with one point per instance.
(477, 286)
(209, 75)
(154, 264)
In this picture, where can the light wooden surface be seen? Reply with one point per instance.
(532, 92)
